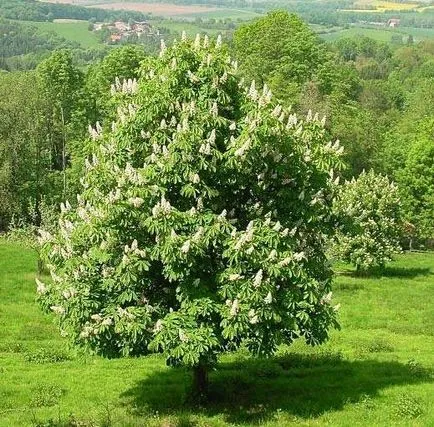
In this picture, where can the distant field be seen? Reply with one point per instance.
(380, 34)
(159, 9)
(163, 9)
(76, 31)
(426, 8)
(189, 26)
(67, 21)
(389, 5)
(166, 9)
(222, 13)
(377, 34)
(382, 5)
(419, 33)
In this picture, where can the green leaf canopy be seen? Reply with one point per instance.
(201, 222)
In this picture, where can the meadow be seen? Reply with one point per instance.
(380, 34)
(382, 5)
(224, 13)
(376, 371)
(75, 31)
(167, 10)
(159, 9)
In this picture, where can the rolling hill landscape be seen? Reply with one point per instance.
(216, 213)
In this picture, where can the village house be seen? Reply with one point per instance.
(144, 28)
(121, 26)
(121, 30)
(115, 37)
(393, 23)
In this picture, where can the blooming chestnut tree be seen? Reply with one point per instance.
(368, 209)
(202, 220)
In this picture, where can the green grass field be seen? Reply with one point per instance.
(376, 34)
(419, 33)
(222, 13)
(376, 371)
(189, 27)
(73, 31)
(380, 34)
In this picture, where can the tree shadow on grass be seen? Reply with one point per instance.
(251, 391)
(398, 272)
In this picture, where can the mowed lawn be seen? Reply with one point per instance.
(376, 371)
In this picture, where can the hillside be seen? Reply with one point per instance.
(373, 372)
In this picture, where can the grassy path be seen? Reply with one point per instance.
(376, 371)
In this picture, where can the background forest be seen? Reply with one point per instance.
(243, 187)
(376, 96)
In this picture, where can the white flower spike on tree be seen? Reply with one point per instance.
(202, 224)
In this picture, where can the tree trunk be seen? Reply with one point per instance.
(40, 265)
(63, 152)
(200, 381)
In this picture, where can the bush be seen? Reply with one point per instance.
(44, 355)
(25, 231)
(368, 212)
(46, 395)
(408, 407)
(417, 188)
(417, 370)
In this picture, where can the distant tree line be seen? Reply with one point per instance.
(18, 39)
(409, 18)
(33, 10)
(377, 99)
(23, 47)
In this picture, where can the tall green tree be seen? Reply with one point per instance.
(61, 83)
(201, 222)
(120, 64)
(368, 211)
(417, 183)
(280, 50)
(24, 151)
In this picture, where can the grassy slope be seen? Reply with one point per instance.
(74, 31)
(372, 373)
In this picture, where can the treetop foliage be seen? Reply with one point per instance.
(417, 179)
(121, 63)
(276, 48)
(202, 219)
